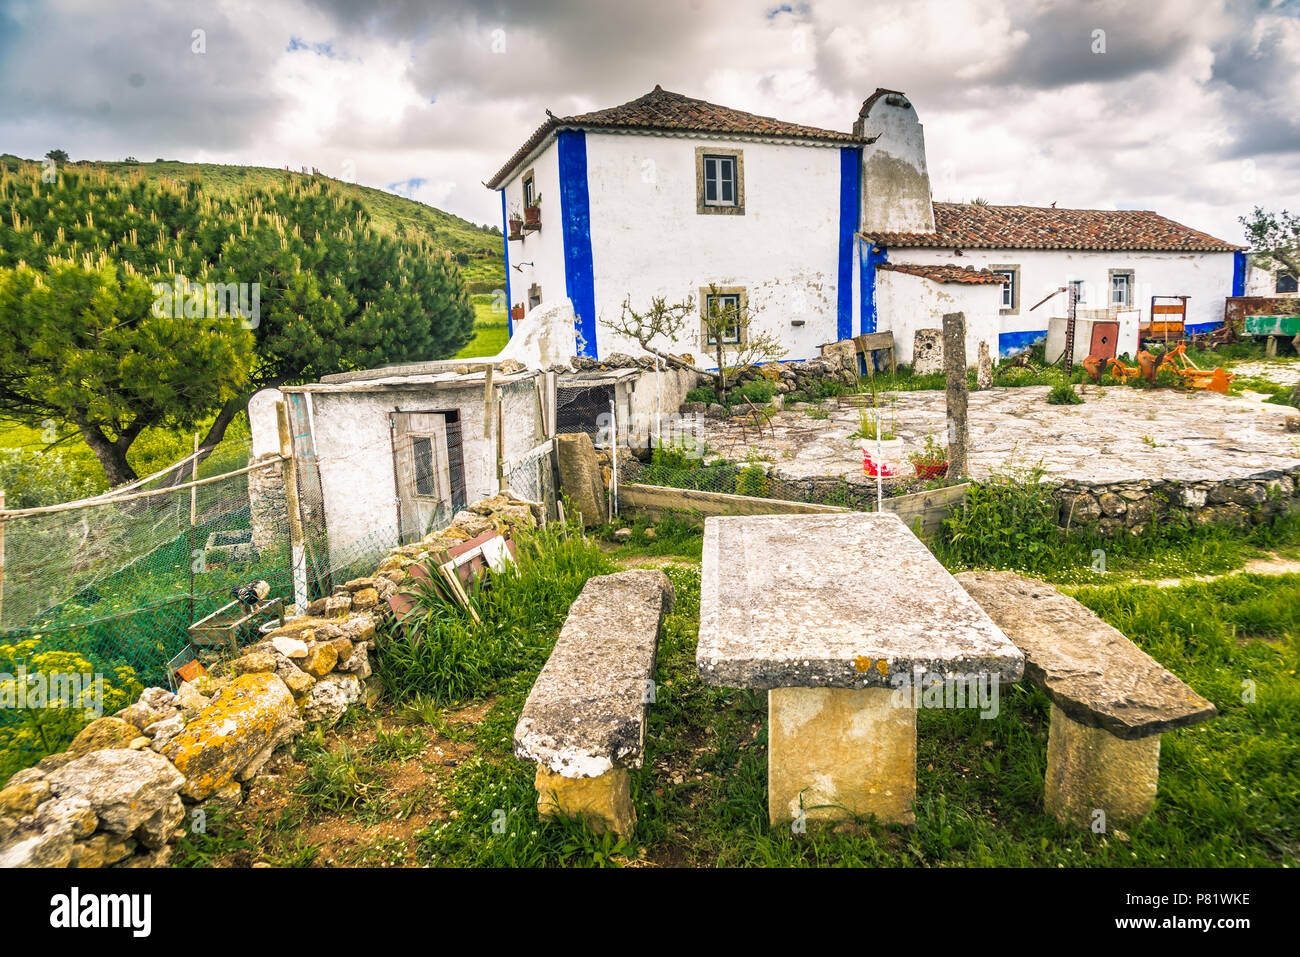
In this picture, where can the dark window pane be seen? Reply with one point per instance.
(422, 447)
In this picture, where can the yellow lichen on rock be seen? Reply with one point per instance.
(253, 713)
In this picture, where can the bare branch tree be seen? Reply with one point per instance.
(736, 346)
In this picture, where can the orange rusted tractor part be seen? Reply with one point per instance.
(1148, 364)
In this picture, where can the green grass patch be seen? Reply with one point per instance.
(1228, 787)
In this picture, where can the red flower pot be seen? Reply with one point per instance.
(532, 215)
(930, 470)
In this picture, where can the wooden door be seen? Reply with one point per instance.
(422, 470)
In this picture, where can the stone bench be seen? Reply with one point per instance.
(1110, 700)
(584, 720)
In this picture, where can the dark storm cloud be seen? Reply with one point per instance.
(135, 81)
(1190, 109)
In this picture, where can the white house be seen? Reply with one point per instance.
(821, 234)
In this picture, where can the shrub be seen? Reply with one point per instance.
(1063, 394)
(752, 480)
(757, 391)
(703, 393)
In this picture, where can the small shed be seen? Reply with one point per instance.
(387, 455)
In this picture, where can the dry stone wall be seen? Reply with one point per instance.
(1115, 508)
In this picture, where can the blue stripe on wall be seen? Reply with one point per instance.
(850, 166)
(870, 256)
(1238, 273)
(505, 244)
(1010, 343)
(575, 213)
(1196, 328)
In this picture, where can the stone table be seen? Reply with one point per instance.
(849, 623)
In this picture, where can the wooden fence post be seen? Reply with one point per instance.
(954, 364)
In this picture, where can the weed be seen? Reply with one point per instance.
(1063, 394)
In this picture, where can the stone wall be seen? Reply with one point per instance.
(1134, 506)
(128, 786)
(267, 507)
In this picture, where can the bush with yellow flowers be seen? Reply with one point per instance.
(47, 695)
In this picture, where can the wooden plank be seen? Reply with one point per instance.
(1169, 310)
(657, 501)
(925, 511)
(870, 341)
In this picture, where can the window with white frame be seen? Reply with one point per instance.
(727, 304)
(1121, 288)
(719, 181)
(1078, 286)
(1010, 303)
(1285, 281)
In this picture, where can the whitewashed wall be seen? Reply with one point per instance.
(544, 248)
(647, 238)
(906, 303)
(355, 452)
(1206, 277)
(1263, 282)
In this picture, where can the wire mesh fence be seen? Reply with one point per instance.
(121, 582)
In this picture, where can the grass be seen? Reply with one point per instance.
(1228, 787)
(491, 331)
(1227, 790)
(442, 654)
(1010, 521)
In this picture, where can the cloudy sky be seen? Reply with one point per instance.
(1188, 107)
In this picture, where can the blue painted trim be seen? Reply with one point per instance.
(1010, 343)
(1238, 273)
(505, 244)
(1200, 327)
(575, 214)
(870, 256)
(850, 167)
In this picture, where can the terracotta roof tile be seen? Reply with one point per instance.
(971, 226)
(946, 272)
(664, 111)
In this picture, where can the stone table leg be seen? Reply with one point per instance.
(835, 752)
(1089, 769)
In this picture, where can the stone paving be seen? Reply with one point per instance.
(1281, 371)
(1118, 434)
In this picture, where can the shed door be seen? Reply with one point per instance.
(1105, 336)
(428, 470)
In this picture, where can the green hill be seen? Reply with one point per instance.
(477, 248)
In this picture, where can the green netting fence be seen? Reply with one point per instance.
(120, 582)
